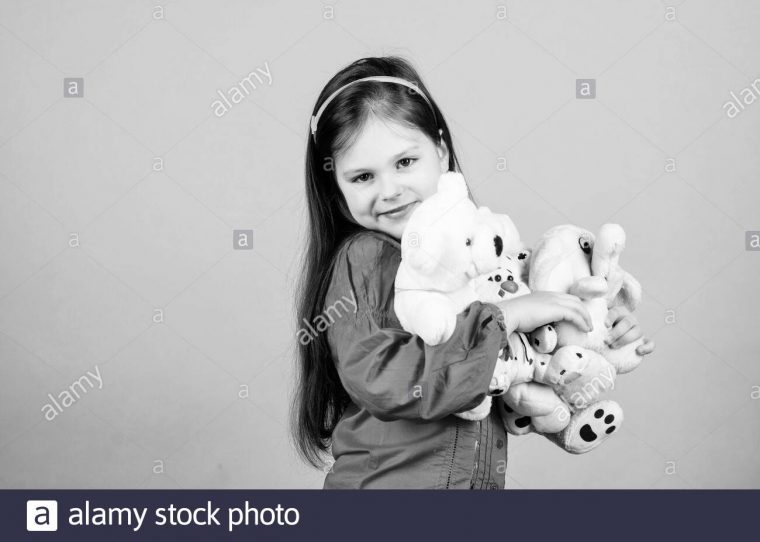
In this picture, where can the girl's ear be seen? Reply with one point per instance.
(443, 155)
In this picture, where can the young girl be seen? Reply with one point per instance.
(378, 396)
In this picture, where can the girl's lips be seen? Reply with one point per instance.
(402, 211)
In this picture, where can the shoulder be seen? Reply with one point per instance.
(369, 250)
(365, 265)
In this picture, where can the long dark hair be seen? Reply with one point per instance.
(320, 398)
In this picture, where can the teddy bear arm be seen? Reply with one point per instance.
(436, 326)
(589, 287)
(553, 422)
(532, 399)
(432, 317)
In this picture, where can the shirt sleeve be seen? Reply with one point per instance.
(390, 372)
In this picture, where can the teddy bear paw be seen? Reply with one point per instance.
(514, 422)
(591, 426)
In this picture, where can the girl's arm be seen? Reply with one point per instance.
(390, 372)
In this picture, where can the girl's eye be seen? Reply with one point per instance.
(405, 162)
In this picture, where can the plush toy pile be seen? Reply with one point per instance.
(549, 381)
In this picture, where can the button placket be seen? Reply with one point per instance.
(477, 449)
(475, 473)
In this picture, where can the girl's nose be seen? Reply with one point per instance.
(389, 187)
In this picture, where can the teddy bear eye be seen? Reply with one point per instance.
(510, 277)
(585, 244)
(468, 242)
(498, 278)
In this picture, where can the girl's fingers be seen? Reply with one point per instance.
(582, 311)
(614, 314)
(647, 347)
(631, 335)
(621, 327)
(569, 308)
(577, 314)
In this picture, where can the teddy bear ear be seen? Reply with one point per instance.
(607, 248)
(629, 294)
(485, 214)
(453, 185)
(508, 227)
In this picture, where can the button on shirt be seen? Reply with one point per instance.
(399, 430)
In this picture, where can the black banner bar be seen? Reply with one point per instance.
(382, 515)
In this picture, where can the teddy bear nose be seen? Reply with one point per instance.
(510, 286)
(499, 244)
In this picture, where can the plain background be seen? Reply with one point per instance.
(173, 410)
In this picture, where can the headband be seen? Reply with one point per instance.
(382, 78)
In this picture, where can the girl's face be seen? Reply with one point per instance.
(387, 172)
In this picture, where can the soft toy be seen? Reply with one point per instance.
(447, 242)
(569, 259)
(542, 383)
(511, 277)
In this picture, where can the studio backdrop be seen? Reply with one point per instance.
(152, 220)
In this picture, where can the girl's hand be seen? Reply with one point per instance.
(625, 330)
(527, 312)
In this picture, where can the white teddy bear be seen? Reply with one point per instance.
(447, 242)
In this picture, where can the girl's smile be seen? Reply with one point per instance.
(400, 212)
